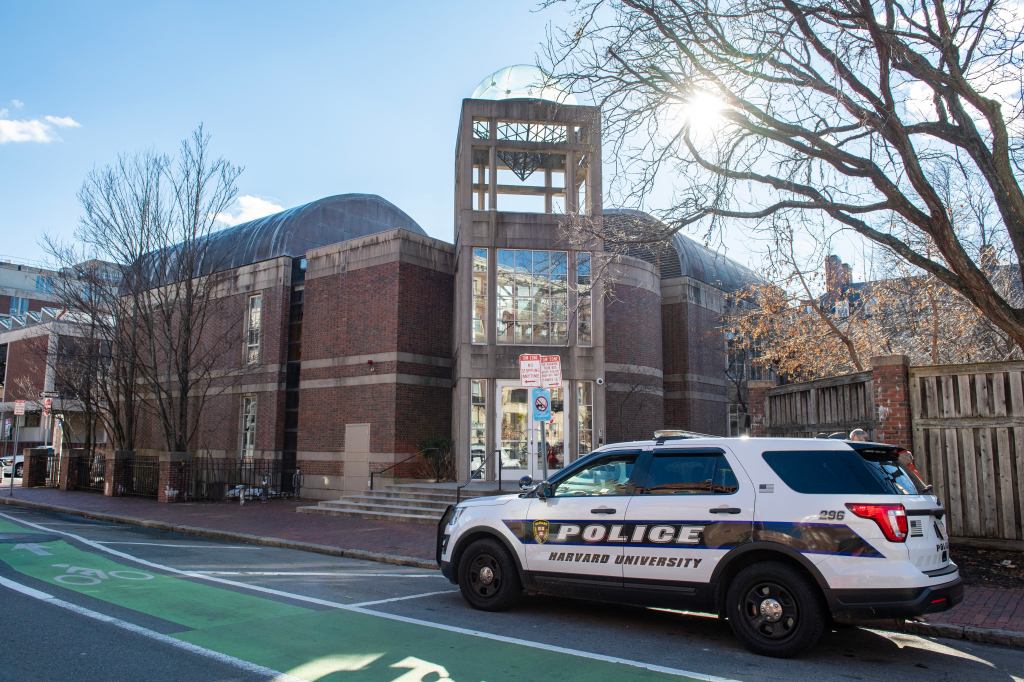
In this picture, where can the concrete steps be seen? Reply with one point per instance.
(412, 502)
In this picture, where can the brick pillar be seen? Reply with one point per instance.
(34, 474)
(175, 470)
(890, 381)
(757, 405)
(68, 472)
(117, 472)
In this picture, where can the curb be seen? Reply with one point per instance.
(972, 633)
(367, 555)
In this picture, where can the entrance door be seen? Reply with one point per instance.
(519, 435)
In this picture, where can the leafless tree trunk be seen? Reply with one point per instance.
(847, 112)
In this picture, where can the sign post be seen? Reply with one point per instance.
(19, 411)
(541, 372)
(541, 400)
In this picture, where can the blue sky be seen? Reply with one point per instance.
(312, 98)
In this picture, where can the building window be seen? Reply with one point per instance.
(532, 297)
(584, 305)
(478, 428)
(44, 284)
(19, 306)
(584, 416)
(248, 426)
(254, 327)
(479, 295)
(737, 420)
(843, 309)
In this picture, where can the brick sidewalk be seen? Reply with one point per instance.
(999, 612)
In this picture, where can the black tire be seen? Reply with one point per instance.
(18, 469)
(775, 610)
(488, 577)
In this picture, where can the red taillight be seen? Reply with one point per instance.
(890, 518)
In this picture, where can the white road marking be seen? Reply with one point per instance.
(325, 574)
(393, 599)
(171, 544)
(146, 632)
(391, 616)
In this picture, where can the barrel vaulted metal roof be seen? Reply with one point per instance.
(680, 256)
(295, 231)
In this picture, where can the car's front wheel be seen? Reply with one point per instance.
(775, 610)
(488, 577)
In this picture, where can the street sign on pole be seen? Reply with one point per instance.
(541, 399)
(529, 369)
(19, 408)
(551, 371)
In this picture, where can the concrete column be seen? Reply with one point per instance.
(757, 404)
(890, 382)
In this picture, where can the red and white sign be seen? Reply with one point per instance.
(47, 406)
(529, 370)
(551, 371)
(540, 371)
(19, 408)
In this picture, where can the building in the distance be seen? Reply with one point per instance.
(358, 337)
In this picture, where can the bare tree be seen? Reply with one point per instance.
(139, 274)
(834, 114)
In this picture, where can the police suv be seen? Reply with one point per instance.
(777, 535)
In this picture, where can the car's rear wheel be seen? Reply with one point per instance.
(488, 577)
(775, 610)
(17, 470)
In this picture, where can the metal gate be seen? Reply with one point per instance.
(88, 471)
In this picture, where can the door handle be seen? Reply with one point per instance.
(725, 510)
(602, 510)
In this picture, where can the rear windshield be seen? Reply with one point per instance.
(842, 472)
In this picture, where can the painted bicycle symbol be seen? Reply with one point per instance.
(80, 576)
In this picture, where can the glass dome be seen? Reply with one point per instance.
(521, 81)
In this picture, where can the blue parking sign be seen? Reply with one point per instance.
(541, 399)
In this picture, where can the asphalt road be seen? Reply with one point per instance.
(88, 601)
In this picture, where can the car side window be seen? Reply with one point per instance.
(605, 476)
(703, 473)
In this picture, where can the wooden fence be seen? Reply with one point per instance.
(964, 423)
(968, 429)
(836, 404)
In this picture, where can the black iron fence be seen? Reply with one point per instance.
(52, 469)
(88, 471)
(231, 479)
(141, 477)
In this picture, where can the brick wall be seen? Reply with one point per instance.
(26, 368)
(696, 394)
(890, 382)
(633, 355)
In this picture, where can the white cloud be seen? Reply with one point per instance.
(248, 207)
(39, 130)
(62, 121)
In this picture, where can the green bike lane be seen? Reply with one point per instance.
(306, 641)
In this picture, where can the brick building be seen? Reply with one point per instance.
(358, 336)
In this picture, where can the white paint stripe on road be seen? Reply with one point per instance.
(237, 663)
(391, 616)
(393, 599)
(325, 574)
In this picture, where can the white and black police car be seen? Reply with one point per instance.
(781, 536)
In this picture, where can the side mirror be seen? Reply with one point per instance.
(545, 490)
(525, 483)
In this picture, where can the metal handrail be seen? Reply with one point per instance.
(458, 488)
(413, 456)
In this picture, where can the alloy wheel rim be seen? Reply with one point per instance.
(485, 575)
